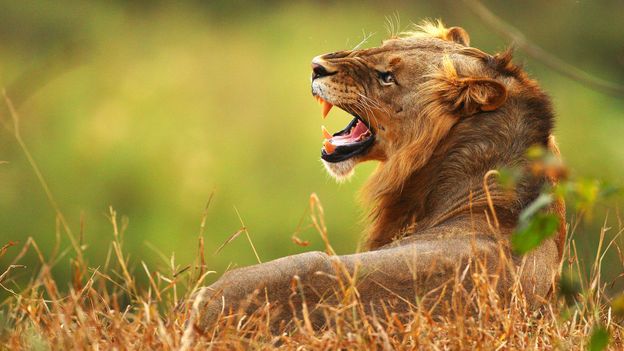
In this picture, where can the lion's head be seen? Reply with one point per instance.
(406, 97)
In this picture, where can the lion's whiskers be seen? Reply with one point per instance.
(366, 110)
(363, 41)
(369, 105)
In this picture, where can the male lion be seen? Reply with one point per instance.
(438, 115)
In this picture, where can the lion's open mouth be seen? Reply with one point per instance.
(355, 139)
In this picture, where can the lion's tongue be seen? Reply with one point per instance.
(353, 136)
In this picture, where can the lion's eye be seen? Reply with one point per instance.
(387, 78)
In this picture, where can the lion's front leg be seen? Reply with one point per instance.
(404, 274)
(270, 280)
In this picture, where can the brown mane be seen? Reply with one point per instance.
(409, 197)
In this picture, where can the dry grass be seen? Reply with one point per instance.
(106, 308)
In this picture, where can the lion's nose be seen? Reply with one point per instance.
(318, 71)
(320, 68)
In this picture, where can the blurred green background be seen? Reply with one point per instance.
(150, 106)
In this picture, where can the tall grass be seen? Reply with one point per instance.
(105, 308)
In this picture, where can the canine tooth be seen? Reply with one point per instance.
(326, 107)
(329, 147)
(326, 134)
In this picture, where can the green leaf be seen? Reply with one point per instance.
(586, 194)
(599, 339)
(541, 202)
(531, 235)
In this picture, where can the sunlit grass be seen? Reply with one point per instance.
(106, 307)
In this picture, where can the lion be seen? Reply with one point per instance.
(438, 116)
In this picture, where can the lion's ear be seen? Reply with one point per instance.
(482, 94)
(458, 35)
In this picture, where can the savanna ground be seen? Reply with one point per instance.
(128, 120)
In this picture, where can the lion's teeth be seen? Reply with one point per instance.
(326, 134)
(329, 147)
(326, 107)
